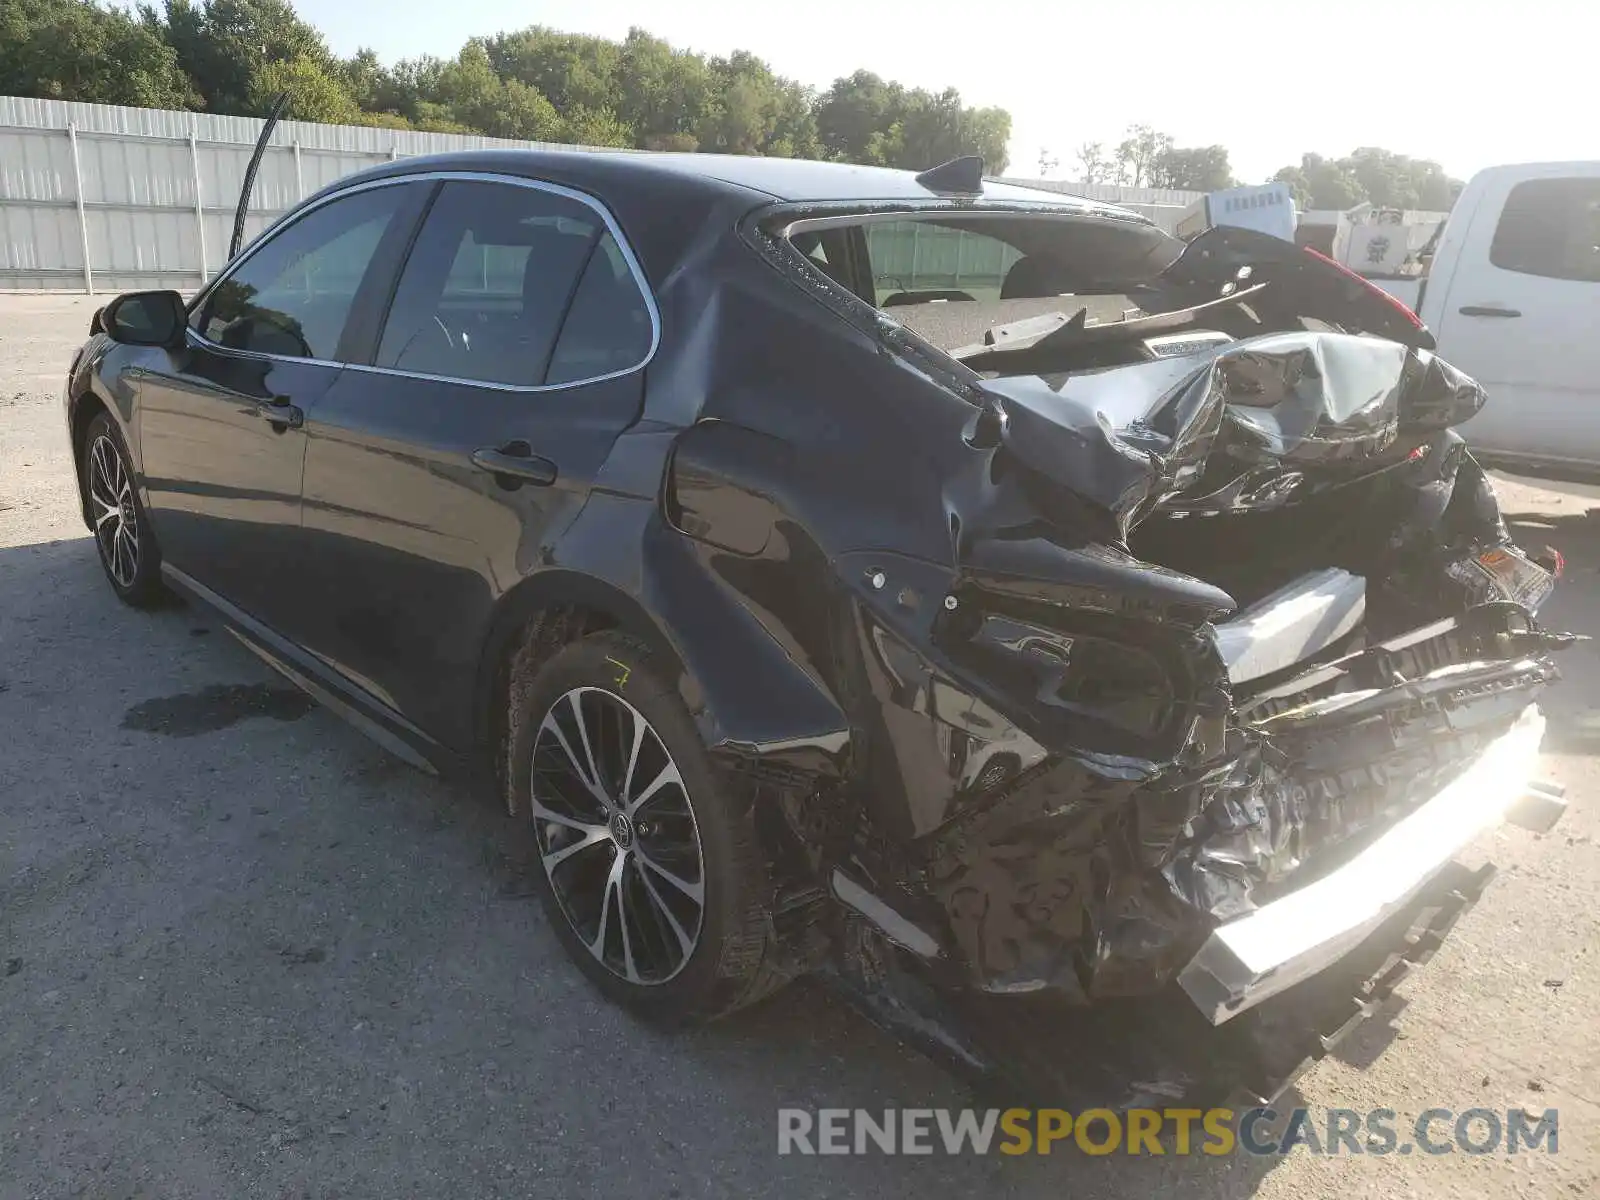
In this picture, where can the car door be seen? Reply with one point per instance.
(437, 474)
(1522, 311)
(221, 422)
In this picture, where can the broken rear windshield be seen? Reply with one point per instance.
(953, 278)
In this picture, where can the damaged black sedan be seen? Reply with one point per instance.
(1061, 637)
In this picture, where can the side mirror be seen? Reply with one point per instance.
(146, 319)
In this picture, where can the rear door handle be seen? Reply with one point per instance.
(280, 414)
(515, 464)
(1487, 310)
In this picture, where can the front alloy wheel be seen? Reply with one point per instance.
(116, 524)
(122, 532)
(617, 836)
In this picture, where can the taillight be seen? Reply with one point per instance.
(1377, 291)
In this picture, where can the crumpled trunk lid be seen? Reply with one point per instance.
(1257, 424)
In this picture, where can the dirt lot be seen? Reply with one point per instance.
(243, 952)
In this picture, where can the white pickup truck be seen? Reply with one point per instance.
(1513, 297)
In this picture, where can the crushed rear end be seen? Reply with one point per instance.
(1236, 657)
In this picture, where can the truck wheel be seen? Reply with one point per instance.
(652, 881)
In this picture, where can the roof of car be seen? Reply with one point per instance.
(662, 201)
(792, 180)
(802, 179)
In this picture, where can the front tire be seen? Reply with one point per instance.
(650, 878)
(122, 533)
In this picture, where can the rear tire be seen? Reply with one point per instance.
(122, 534)
(650, 877)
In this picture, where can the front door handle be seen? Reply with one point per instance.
(280, 414)
(515, 464)
(1487, 310)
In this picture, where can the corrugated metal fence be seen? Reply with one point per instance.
(1164, 206)
(909, 256)
(106, 199)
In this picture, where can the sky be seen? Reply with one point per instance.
(1468, 84)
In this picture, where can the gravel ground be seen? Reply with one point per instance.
(243, 952)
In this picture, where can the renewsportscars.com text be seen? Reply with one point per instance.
(1152, 1131)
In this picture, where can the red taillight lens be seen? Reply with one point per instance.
(1369, 285)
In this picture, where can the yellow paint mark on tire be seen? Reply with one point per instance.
(624, 670)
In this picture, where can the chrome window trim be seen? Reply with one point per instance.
(856, 212)
(538, 185)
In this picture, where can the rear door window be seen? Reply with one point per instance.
(1550, 227)
(608, 328)
(488, 283)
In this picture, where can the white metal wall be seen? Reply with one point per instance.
(100, 198)
(107, 199)
(1164, 206)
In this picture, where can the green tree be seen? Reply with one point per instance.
(794, 123)
(315, 92)
(410, 87)
(860, 118)
(572, 70)
(225, 44)
(934, 129)
(1138, 154)
(595, 127)
(1436, 191)
(1193, 168)
(505, 108)
(986, 132)
(854, 117)
(234, 56)
(74, 50)
(1093, 164)
(382, 120)
(1397, 181)
(886, 147)
(370, 84)
(739, 121)
(674, 143)
(437, 118)
(662, 94)
(1386, 179)
(749, 105)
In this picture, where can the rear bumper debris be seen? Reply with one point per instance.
(1160, 1049)
(1290, 1032)
(1253, 1000)
(1245, 961)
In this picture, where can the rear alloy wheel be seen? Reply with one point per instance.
(651, 878)
(121, 532)
(617, 836)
